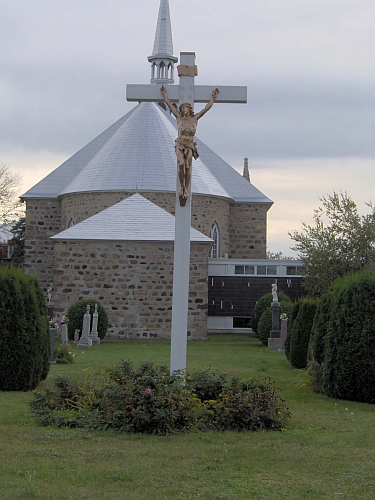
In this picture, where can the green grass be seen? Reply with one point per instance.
(327, 451)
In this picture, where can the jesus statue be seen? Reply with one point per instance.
(185, 147)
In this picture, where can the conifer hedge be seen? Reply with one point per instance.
(24, 332)
(301, 331)
(291, 320)
(349, 356)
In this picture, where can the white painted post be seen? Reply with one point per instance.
(181, 265)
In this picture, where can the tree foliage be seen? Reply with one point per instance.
(10, 206)
(17, 231)
(340, 242)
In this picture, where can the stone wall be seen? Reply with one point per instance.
(248, 230)
(133, 281)
(43, 220)
(204, 211)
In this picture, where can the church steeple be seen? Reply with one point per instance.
(162, 59)
(246, 172)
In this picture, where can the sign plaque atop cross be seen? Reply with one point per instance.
(185, 92)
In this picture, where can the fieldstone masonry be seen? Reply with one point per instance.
(43, 220)
(134, 281)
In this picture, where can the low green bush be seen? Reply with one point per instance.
(262, 305)
(265, 322)
(149, 400)
(75, 317)
(64, 354)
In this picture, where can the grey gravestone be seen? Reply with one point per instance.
(284, 331)
(52, 335)
(76, 336)
(85, 341)
(94, 328)
(64, 334)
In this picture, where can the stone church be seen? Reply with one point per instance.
(101, 225)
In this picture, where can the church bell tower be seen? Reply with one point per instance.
(162, 59)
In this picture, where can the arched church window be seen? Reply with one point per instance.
(215, 235)
(71, 223)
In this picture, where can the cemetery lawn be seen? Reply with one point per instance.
(327, 450)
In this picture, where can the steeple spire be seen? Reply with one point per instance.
(162, 59)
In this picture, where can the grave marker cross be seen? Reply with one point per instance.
(185, 92)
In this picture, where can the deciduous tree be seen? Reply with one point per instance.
(340, 242)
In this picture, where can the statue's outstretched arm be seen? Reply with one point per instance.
(209, 105)
(163, 90)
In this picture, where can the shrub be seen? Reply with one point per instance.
(149, 400)
(64, 354)
(292, 318)
(301, 331)
(315, 354)
(75, 316)
(262, 305)
(349, 357)
(265, 322)
(24, 332)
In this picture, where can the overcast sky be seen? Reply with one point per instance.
(308, 127)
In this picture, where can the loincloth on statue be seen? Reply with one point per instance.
(184, 147)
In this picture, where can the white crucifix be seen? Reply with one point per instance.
(184, 93)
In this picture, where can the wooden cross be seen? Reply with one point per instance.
(185, 92)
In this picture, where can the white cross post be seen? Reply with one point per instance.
(187, 92)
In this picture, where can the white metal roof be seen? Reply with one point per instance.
(137, 154)
(132, 219)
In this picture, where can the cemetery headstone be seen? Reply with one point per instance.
(85, 342)
(284, 331)
(76, 336)
(94, 328)
(52, 336)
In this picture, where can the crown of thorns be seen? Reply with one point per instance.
(187, 105)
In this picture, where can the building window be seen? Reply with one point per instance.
(71, 223)
(267, 270)
(214, 235)
(244, 269)
(294, 270)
